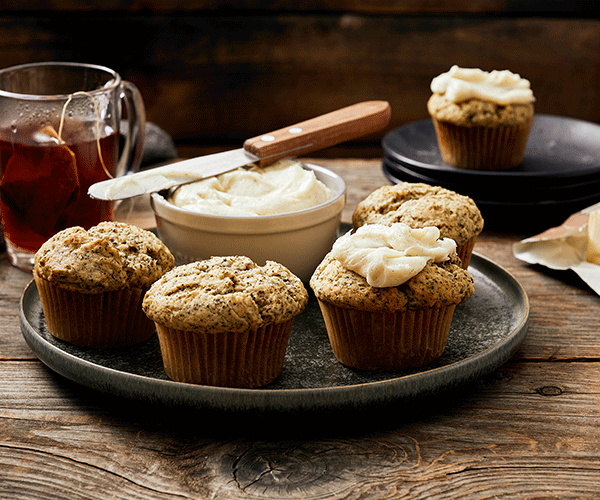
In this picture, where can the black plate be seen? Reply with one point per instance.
(490, 192)
(522, 216)
(560, 152)
(486, 331)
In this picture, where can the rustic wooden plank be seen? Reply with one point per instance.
(219, 79)
(392, 7)
(12, 284)
(315, 65)
(528, 429)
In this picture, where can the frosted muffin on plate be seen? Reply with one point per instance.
(92, 283)
(482, 120)
(420, 205)
(388, 295)
(225, 321)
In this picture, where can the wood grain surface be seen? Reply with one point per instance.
(528, 430)
(216, 73)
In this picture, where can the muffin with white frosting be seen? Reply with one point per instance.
(92, 283)
(225, 321)
(420, 205)
(482, 119)
(388, 295)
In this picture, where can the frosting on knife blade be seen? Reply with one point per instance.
(167, 176)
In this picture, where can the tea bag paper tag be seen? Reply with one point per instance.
(564, 247)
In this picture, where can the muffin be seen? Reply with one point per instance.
(92, 283)
(388, 295)
(482, 120)
(225, 321)
(421, 205)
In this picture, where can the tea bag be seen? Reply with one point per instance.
(41, 182)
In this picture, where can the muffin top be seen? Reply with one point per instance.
(225, 294)
(472, 97)
(107, 257)
(420, 205)
(439, 284)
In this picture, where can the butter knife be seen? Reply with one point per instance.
(305, 137)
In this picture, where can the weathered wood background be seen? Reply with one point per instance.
(213, 73)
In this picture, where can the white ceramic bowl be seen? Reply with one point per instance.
(298, 240)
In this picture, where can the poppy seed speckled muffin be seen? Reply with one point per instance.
(92, 283)
(225, 321)
(482, 120)
(389, 296)
(421, 205)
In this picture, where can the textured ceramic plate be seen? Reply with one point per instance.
(486, 331)
(560, 151)
(487, 189)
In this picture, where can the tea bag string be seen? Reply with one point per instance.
(62, 121)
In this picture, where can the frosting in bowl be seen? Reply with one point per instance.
(388, 256)
(499, 87)
(280, 188)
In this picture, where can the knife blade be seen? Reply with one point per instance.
(305, 137)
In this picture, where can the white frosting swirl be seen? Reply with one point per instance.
(276, 189)
(500, 87)
(388, 256)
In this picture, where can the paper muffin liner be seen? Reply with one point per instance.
(465, 250)
(482, 148)
(387, 341)
(107, 319)
(244, 360)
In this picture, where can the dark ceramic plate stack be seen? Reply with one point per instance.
(559, 175)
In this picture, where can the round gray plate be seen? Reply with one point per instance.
(486, 331)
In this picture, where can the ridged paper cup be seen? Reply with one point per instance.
(107, 319)
(244, 360)
(465, 250)
(387, 341)
(482, 148)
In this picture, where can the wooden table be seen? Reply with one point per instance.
(531, 429)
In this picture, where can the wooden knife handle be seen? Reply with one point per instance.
(321, 132)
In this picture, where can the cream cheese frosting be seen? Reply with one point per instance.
(499, 87)
(387, 256)
(280, 188)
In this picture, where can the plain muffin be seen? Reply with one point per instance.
(92, 283)
(225, 321)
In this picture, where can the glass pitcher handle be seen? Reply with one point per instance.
(133, 148)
